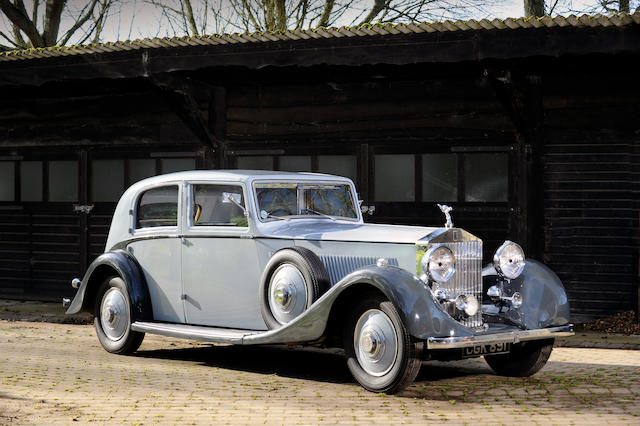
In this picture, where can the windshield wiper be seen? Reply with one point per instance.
(266, 215)
(320, 214)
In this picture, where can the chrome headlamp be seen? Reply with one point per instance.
(509, 260)
(439, 264)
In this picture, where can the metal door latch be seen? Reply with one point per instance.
(82, 208)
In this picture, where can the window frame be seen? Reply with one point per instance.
(221, 230)
(460, 152)
(163, 228)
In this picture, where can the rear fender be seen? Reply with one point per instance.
(117, 262)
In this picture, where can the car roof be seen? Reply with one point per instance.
(237, 176)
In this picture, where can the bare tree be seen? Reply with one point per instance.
(24, 29)
(566, 7)
(533, 7)
(217, 16)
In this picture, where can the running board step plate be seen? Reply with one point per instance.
(194, 332)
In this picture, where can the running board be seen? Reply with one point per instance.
(194, 332)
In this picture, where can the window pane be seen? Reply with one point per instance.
(158, 207)
(107, 180)
(295, 163)
(486, 177)
(169, 165)
(31, 181)
(214, 208)
(140, 169)
(7, 181)
(439, 177)
(254, 162)
(63, 181)
(395, 178)
(341, 165)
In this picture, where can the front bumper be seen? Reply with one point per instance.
(434, 343)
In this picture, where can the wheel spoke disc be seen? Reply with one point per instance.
(287, 293)
(114, 314)
(375, 342)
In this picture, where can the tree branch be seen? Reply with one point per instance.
(378, 6)
(23, 22)
(326, 13)
(189, 16)
(80, 22)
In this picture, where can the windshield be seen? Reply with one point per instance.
(282, 199)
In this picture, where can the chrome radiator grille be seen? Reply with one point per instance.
(338, 266)
(467, 279)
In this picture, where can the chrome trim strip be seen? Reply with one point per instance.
(509, 337)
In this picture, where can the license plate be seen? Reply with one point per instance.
(496, 348)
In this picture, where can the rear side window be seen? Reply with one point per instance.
(158, 207)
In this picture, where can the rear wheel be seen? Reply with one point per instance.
(112, 318)
(381, 354)
(524, 360)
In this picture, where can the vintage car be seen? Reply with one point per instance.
(257, 257)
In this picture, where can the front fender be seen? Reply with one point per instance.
(545, 302)
(107, 264)
(420, 312)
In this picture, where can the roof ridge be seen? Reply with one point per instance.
(367, 29)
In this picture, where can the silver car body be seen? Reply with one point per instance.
(203, 282)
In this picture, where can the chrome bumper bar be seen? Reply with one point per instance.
(489, 339)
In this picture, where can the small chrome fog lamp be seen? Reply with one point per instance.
(439, 263)
(509, 260)
(516, 300)
(468, 304)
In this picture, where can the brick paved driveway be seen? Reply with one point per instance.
(55, 373)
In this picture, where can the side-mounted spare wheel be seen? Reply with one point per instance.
(381, 355)
(524, 360)
(292, 280)
(112, 318)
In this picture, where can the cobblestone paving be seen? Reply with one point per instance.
(59, 374)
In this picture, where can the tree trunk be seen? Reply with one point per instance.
(534, 8)
(281, 15)
(326, 13)
(624, 6)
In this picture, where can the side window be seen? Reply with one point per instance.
(158, 207)
(218, 205)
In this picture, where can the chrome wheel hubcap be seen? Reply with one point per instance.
(114, 314)
(287, 293)
(375, 342)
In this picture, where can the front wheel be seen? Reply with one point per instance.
(381, 354)
(112, 318)
(524, 360)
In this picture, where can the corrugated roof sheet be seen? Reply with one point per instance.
(617, 20)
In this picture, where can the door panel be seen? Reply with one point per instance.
(221, 279)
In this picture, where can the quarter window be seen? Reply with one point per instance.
(158, 207)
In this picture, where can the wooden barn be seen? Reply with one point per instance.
(529, 128)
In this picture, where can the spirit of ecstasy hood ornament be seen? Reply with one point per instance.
(446, 209)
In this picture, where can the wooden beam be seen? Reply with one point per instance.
(521, 96)
(179, 93)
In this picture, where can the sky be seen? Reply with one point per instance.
(134, 19)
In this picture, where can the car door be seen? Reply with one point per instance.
(220, 262)
(157, 248)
